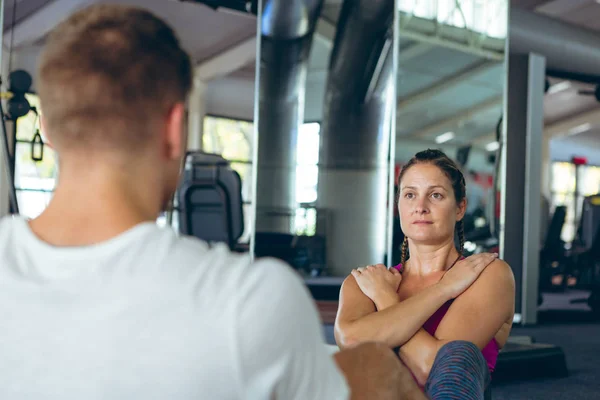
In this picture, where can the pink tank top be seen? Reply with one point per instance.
(490, 351)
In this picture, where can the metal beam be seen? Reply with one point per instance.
(449, 36)
(566, 126)
(448, 123)
(446, 83)
(557, 129)
(413, 51)
(325, 31)
(228, 61)
(450, 44)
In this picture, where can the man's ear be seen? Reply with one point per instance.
(44, 132)
(175, 143)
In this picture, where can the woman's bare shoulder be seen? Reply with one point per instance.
(495, 284)
(499, 272)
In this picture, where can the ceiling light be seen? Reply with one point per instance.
(580, 129)
(559, 87)
(445, 137)
(492, 146)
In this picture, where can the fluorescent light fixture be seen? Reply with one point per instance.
(445, 137)
(492, 146)
(559, 87)
(580, 129)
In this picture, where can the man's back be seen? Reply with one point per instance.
(150, 315)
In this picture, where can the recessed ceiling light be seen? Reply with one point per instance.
(445, 137)
(580, 129)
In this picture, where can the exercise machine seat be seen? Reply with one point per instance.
(209, 199)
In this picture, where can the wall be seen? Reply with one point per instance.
(231, 97)
(563, 150)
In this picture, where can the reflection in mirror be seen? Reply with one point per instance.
(325, 107)
(451, 78)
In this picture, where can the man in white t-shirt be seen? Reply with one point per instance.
(98, 302)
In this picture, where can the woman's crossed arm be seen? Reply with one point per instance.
(396, 322)
(475, 316)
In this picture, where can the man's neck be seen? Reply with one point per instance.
(89, 211)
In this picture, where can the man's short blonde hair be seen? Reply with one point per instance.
(108, 74)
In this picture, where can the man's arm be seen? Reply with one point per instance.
(282, 348)
(475, 316)
(376, 373)
(280, 339)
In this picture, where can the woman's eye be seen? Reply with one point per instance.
(409, 195)
(437, 196)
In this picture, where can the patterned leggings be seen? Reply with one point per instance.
(458, 372)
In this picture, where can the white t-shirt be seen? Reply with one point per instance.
(149, 315)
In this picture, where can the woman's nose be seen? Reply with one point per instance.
(421, 206)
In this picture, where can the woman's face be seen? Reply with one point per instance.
(427, 205)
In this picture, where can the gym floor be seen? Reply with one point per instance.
(569, 326)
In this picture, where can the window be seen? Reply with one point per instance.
(488, 17)
(34, 180)
(307, 176)
(563, 194)
(233, 139)
(570, 184)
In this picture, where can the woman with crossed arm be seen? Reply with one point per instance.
(435, 301)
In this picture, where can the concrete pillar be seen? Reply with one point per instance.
(196, 114)
(354, 173)
(287, 29)
(281, 112)
(521, 180)
(354, 160)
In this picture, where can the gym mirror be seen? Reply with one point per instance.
(325, 111)
(451, 84)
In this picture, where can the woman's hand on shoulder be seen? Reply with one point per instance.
(497, 273)
(379, 284)
(479, 313)
(465, 272)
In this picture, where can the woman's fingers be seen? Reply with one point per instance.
(482, 261)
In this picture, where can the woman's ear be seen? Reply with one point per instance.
(461, 210)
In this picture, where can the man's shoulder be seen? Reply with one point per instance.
(9, 222)
(181, 251)
(217, 264)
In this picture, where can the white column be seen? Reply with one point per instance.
(546, 166)
(521, 186)
(196, 113)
